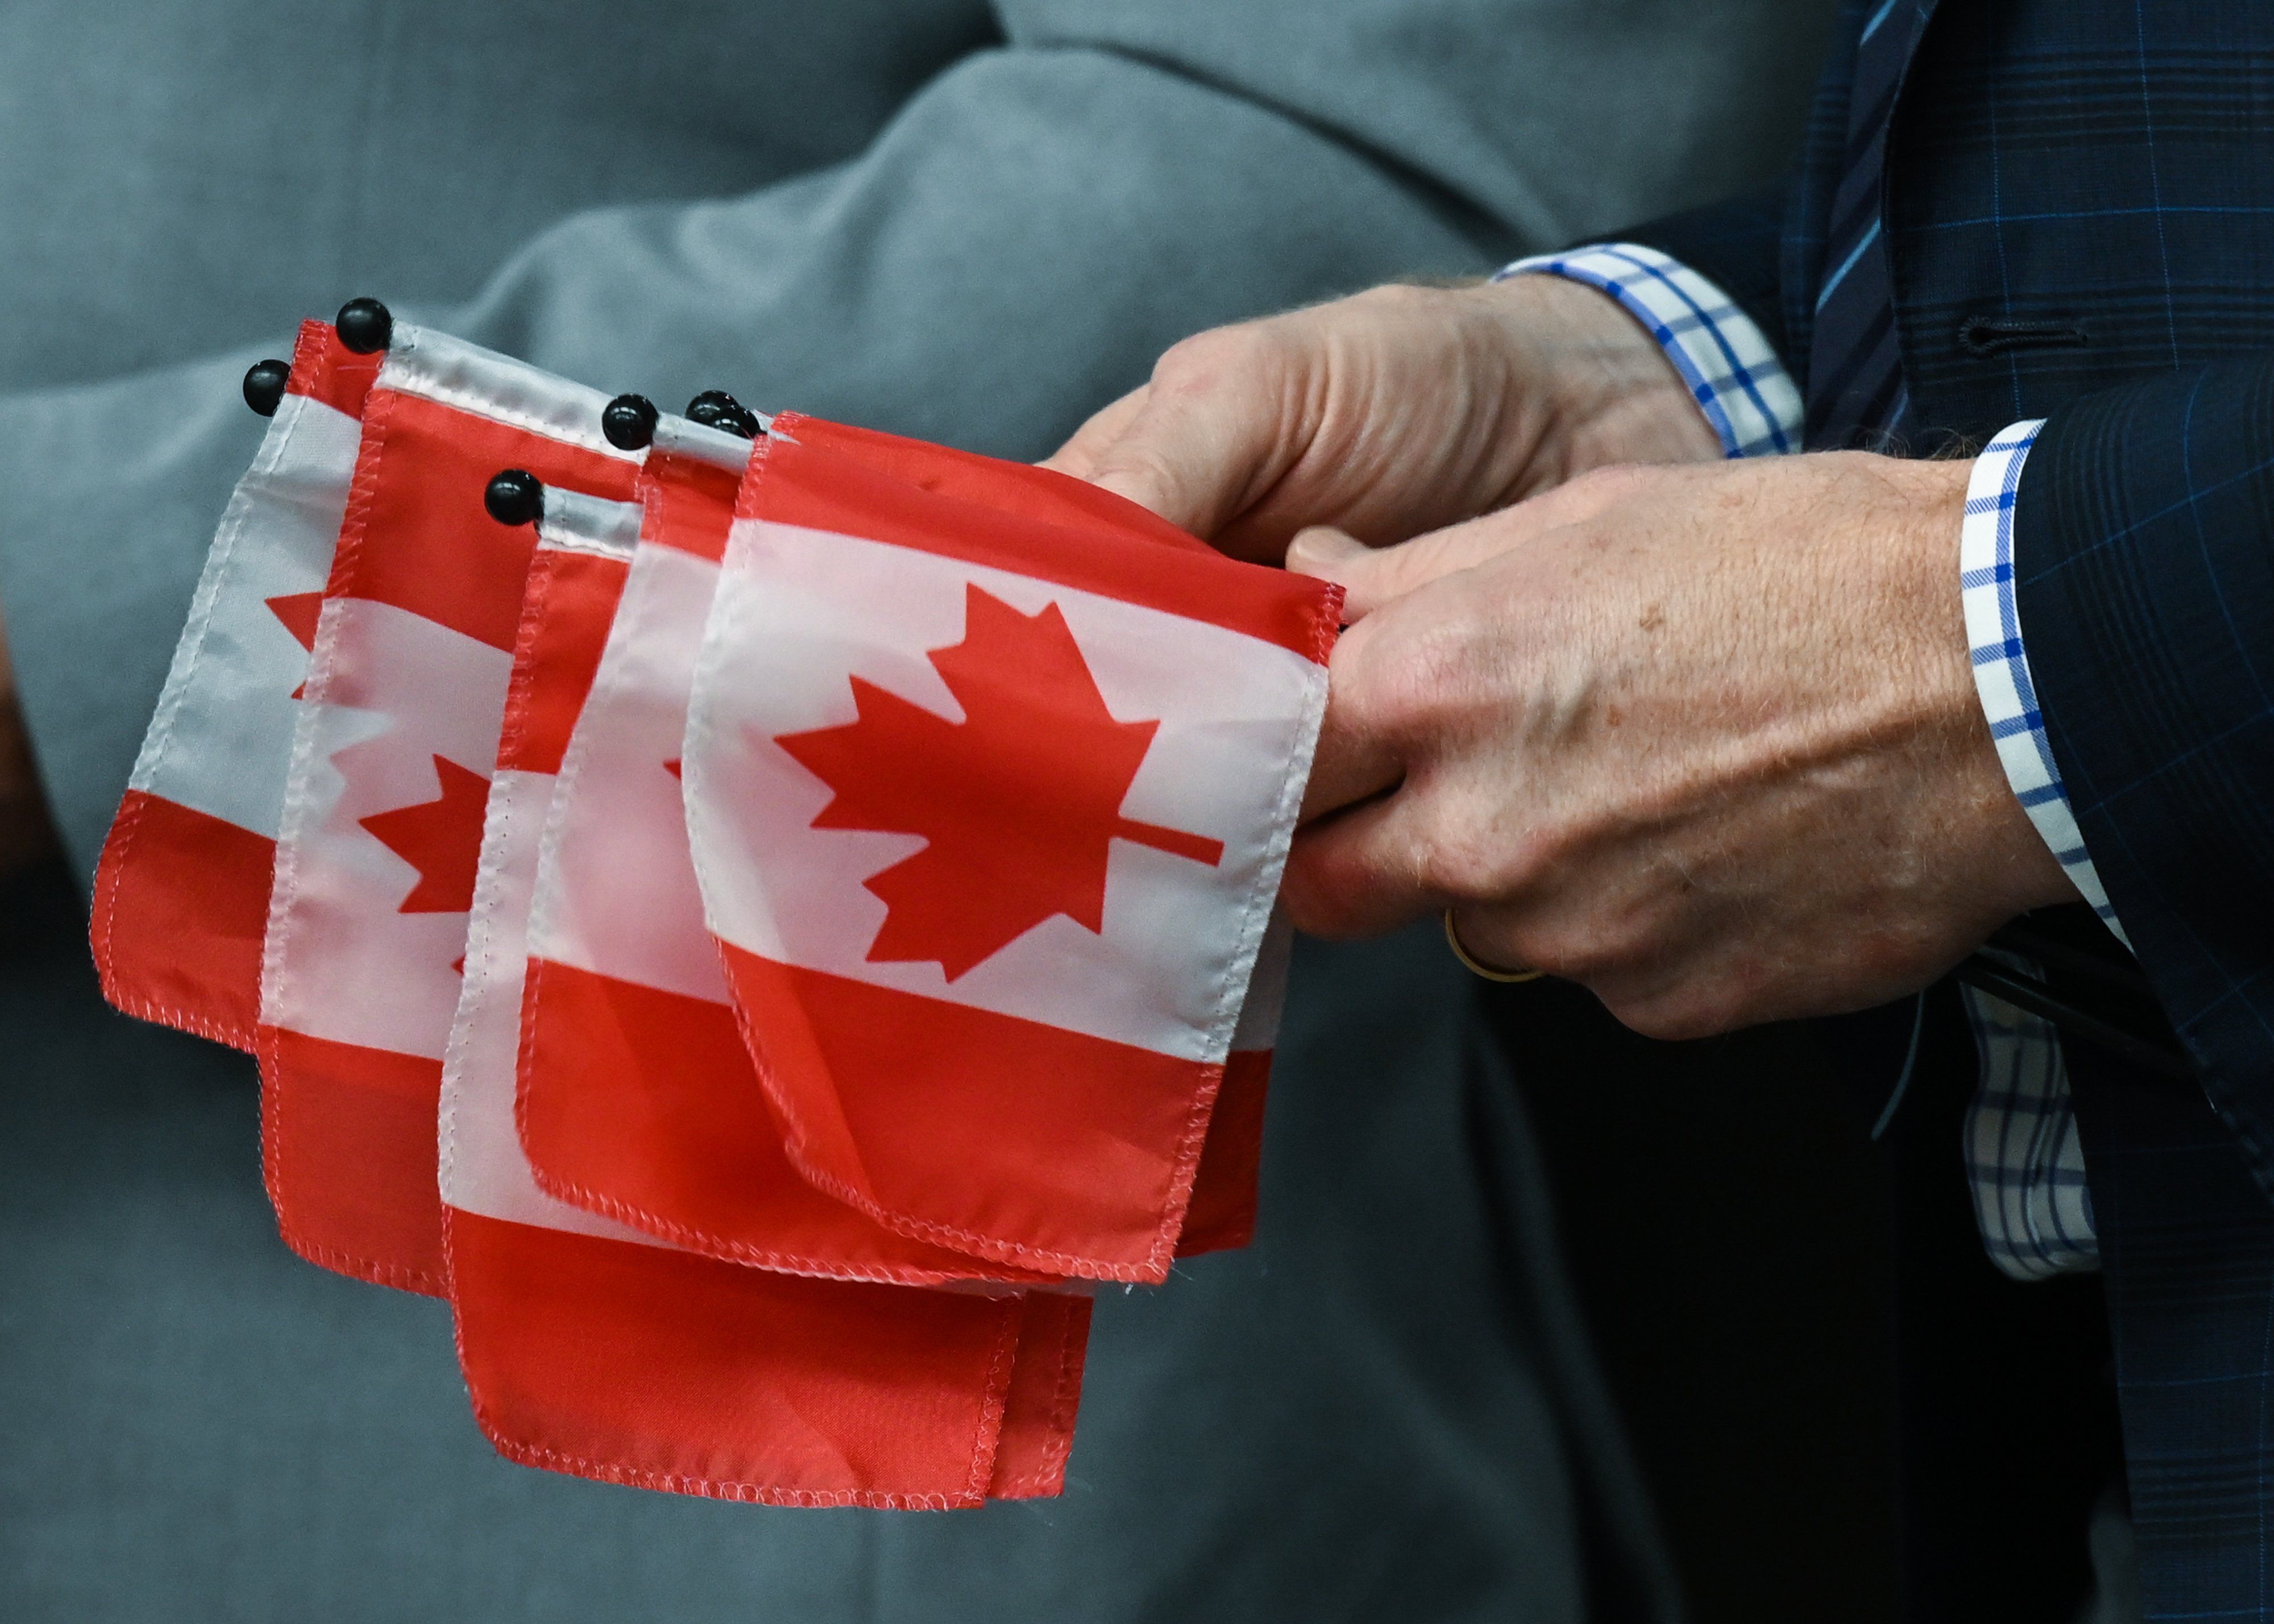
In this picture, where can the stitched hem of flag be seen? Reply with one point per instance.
(1727, 362)
(2001, 665)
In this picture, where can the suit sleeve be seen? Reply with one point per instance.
(1737, 245)
(2143, 568)
(1019, 243)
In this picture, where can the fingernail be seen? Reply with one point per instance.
(1323, 550)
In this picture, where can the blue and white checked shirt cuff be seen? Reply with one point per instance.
(2001, 667)
(1723, 356)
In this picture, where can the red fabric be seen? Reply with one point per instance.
(798, 477)
(1003, 1105)
(347, 1149)
(641, 1106)
(639, 1365)
(571, 601)
(1046, 1391)
(417, 535)
(1222, 1216)
(326, 370)
(1010, 1139)
(177, 930)
(990, 482)
(687, 503)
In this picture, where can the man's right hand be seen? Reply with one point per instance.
(1391, 413)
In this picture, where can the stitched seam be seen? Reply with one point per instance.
(1061, 1445)
(994, 1400)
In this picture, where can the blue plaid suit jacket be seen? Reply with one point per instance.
(2078, 199)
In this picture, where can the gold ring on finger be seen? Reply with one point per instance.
(1491, 972)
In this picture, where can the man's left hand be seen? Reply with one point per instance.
(1704, 739)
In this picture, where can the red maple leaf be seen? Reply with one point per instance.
(1017, 803)
(442, 838)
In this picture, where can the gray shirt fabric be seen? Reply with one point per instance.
(970, 224)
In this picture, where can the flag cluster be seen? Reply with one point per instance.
(760, 941)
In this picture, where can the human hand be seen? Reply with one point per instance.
(1397, 411)
(26, 833)
(1706, 740)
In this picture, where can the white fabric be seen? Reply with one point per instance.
(423, 362)
(616, 891)
(222, 735)
(340, 960)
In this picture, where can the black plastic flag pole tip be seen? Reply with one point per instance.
(628, 421)
(715, 408)
(364, 325)
(264, 385)
(514, 497)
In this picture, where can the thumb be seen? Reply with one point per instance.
(1196, 459)
(1209, 437)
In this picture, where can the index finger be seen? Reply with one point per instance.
(1354, 761)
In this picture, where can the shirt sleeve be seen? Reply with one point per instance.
(2001, 665)
(1733, 371)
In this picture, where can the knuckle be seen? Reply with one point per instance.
(1208, 360)
(1398, 296)
(1453, 864)
(1470, 855)
(1410, 672)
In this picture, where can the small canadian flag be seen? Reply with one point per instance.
(595, 1349)
(181, 893)
(381, 822)
(989, 811)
